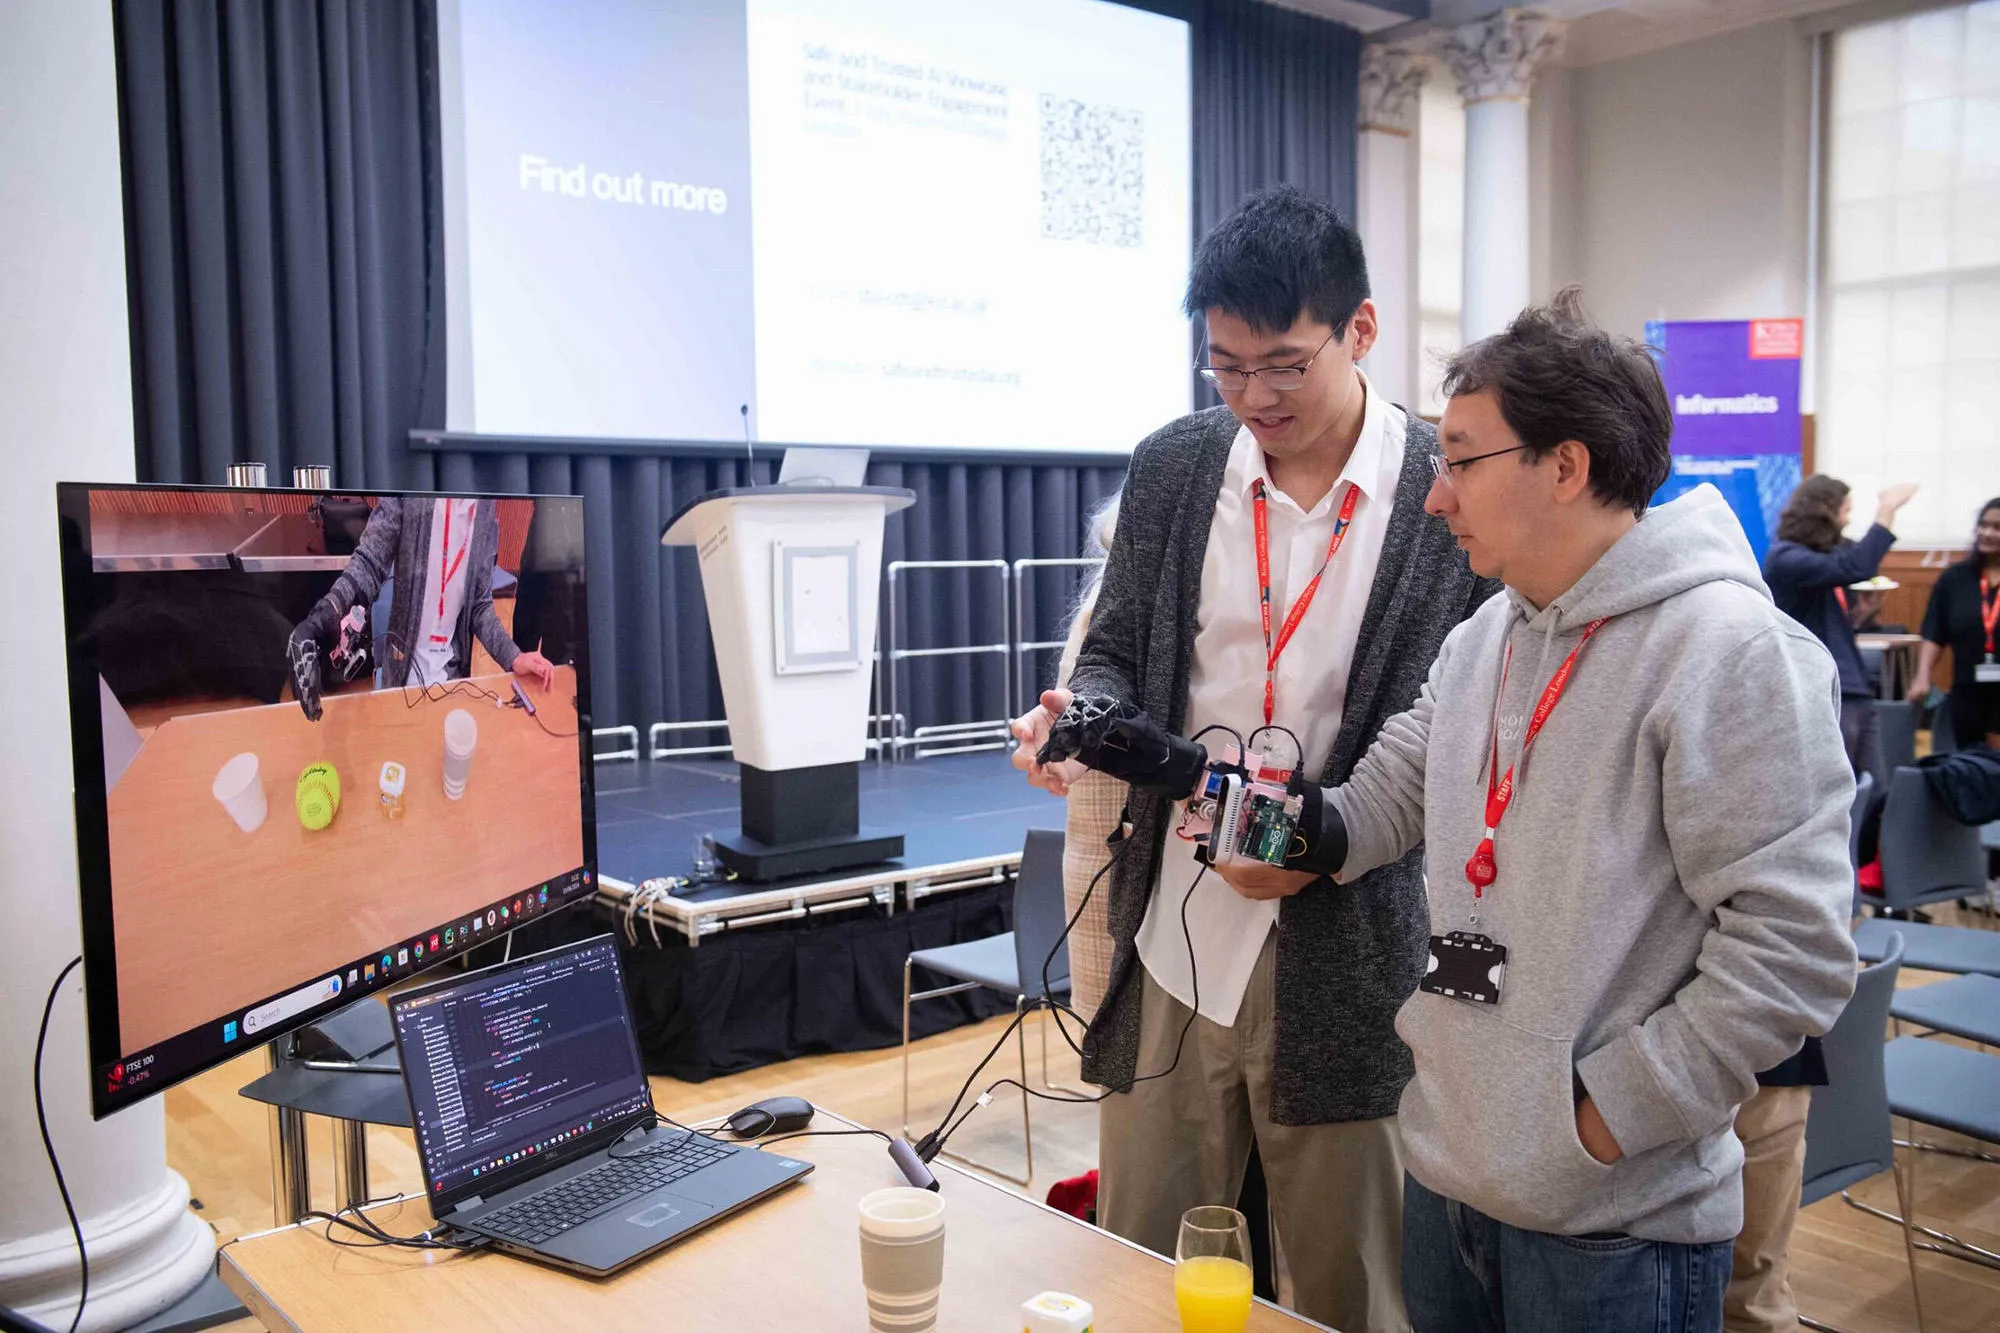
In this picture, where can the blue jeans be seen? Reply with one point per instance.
(1463, 1272)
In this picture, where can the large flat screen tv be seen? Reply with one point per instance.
(323, 742)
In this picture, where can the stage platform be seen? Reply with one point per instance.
(963, 818)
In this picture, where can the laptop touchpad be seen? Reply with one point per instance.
(658, 1214)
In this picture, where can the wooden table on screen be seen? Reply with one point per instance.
(210, 919)
(790, 1262)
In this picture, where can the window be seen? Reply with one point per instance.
(1441, 234)
(1910, 369)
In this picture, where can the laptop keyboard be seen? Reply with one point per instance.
(548, 1214)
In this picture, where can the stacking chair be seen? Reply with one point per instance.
(1899, 738)
(1927, 856)
(1857, 816)
(1010, 963)
(1848, 1133)
(1948, 1087)
(1958, 949)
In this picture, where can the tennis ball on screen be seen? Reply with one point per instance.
(318, 795)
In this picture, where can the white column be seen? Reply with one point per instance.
(1494, 61)
(1386, 188)
(67, 362)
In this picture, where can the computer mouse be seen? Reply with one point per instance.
(773, 1115)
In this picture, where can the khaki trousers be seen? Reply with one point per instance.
(1772, 1125)
(1182, 1141)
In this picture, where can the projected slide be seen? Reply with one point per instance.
(932, 222)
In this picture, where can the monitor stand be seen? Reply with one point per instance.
(349, 1089)
(347, 1035)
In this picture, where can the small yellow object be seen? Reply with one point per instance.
(1056, 1312)
(393, 780)
(318, 795)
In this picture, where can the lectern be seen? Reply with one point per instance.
(791, 576)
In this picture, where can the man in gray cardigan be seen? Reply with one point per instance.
(1272, 565)
(412, 543)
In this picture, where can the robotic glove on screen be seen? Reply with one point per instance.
(1295, 827)
(348, 659)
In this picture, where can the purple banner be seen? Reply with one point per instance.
(1733, 384)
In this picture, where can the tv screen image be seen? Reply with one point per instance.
(322, 743)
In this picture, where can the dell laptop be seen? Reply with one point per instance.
(535, 1122)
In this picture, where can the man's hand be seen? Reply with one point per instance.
(1031, 732)
(1919, 691)
(1892, 499)
(533, 666)
(1260, 881)
(1595, 1134)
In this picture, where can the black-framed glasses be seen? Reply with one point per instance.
(1282, 378)
(1443, 466)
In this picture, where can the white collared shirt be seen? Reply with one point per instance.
(1226, 683)
(447, 568)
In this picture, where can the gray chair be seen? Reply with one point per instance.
(1966, 1006)
(1932, 948)
(1857, 818)
(1927, 855)
(1848, 1134)
(1010, 963)
(1899, 738)
(1944, 739)
(1949, 1087)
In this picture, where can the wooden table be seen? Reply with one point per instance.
(1899, 659)
(791, 1262)
(210, 919)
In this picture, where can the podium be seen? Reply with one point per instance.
(791, 574)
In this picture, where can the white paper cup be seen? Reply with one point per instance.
(240, 788)
(902, 1258)
(461, 734)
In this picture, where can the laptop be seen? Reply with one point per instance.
(523, 1079)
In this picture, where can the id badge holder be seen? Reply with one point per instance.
(1465, 966)
(1986, 673)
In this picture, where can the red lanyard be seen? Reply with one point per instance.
(1480, 870)
(1989, 612)
(447, 562)
(1840, 595)
(1272, 652)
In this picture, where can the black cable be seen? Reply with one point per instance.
(48, 1146)
(377, 1237)
(1234, 734)
(934, 1142)
(445, 689)
(687, 1133)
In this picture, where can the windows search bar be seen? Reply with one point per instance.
(285, 1007)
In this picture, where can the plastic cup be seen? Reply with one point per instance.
(461, 734)
(902, 1258)
(240, 788)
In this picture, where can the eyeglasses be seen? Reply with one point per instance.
(1282, 378)
(1443, 466)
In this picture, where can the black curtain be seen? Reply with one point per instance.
(285, 251)
(282, 235)
(1276, 102)
(649, 645)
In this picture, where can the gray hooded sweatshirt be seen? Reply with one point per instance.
(1673, 883)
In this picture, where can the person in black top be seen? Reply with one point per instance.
(1964, 616)
(1809, 569)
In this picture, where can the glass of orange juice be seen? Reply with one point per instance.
(1212, 1271)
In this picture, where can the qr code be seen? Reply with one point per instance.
(1093, 172)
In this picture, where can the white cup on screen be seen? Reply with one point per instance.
(461, 734)
(240, 788)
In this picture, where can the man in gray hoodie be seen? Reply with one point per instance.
(1629, 775)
